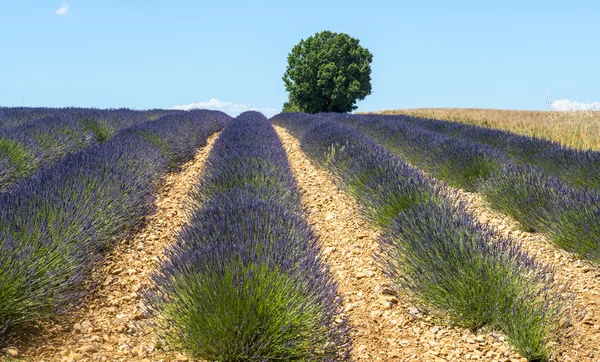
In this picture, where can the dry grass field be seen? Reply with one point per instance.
(578, 129)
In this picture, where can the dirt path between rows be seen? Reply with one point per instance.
(388, 327)
(583, 276)
(110, 325)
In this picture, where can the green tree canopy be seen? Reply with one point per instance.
(328, 72)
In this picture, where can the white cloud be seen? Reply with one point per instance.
(64, 8)
(567, 105)
(232, 109)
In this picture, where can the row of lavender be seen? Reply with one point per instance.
(432, 247)
(56, 225)
(246, 281)
(537, 199)
(17, 116)
(38, 137)
(579, 169)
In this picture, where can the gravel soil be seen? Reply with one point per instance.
(110, 325)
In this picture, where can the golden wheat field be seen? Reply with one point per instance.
(578, 129)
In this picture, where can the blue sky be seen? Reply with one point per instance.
(232, 53)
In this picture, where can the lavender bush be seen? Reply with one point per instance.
(39, 137)
(245, 280)
(445, 260)
(459, 163)
(541, 203)
(580, 169)
(120, 118)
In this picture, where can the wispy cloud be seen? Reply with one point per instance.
(63, 9)
(567, 105)
(232, 109)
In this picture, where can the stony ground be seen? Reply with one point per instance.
(111, 325)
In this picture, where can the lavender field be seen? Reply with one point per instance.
(312, 237)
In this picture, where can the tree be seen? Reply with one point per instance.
(328, 72)
(289, 106)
